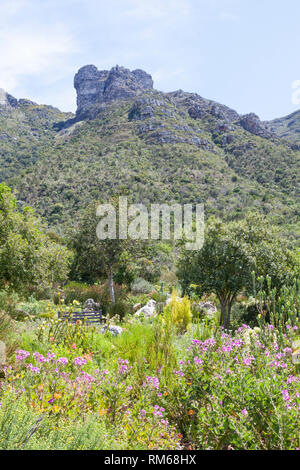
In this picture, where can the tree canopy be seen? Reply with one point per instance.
(230, 254)
(29, 257)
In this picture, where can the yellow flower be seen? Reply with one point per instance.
(101, 412)
(56, 396)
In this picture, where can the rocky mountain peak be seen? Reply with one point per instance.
(95, 87)
(7, 100)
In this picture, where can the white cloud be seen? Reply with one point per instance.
(29, 47)
(30, 54)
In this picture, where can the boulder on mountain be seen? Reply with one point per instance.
(252, 123)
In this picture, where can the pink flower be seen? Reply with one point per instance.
(197, 361)
(79, 361)
(151, 382)
(63, 360)
(245, 412)
(286, 395)
(21, 355)
(33, 369)
(247, 361)
(227, 348)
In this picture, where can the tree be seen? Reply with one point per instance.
(28, 256)
(223, 266)
(230, 253)
(97, 259)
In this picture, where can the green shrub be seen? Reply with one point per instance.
(22, 428)
(8, 302)
(141, 286)
(136, 299)
(81, 292)
(119, 308)
(178, 312)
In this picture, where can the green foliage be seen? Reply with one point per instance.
(9, 301)
(111, 152)
(178, 312)
(28, 257)
(22, 428)
(229, 255)
(81, 292)
(150, 389)
(141, 286)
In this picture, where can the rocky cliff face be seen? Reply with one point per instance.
(95, 87)
(252, 123)
(7, 100)
(98, 88)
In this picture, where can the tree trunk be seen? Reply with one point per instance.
(228, 315)
(111, 286)
(225, 313)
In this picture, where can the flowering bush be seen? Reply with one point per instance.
(70, 386)
(152, 388)
(240, 393)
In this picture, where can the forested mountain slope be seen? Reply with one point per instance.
(159, 146)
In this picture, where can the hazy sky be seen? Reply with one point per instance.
(242, 53)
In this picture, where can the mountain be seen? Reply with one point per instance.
(287, 127)
(26, 130)
(161, 147)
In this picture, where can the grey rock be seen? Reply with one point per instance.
(197, 112)
(145, 107)
(221, 111)
(223, 127)
(227, 139)
(97, 87)
(208, 308)
(157, 132)
(148, 310)
(91, 305)
(7, 100)
(252, 123)
(113, 329)
(199, 107)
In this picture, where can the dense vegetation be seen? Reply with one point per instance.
(170, 156)
(181, 378)
(200, 348)
(156, 386)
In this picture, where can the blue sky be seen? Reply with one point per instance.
(242, 53)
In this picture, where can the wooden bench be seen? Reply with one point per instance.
(84, 317)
